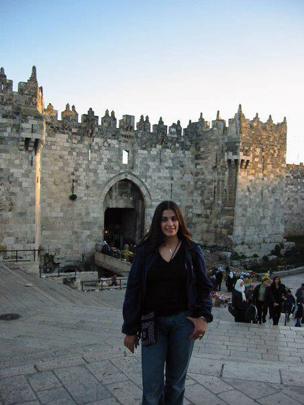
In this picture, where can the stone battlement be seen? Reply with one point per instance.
(68, 183)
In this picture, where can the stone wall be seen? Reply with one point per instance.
(91, 166)
(260, 198)
(59, 176)
(294, 211)
(21, 136)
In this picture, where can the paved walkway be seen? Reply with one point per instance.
(66, 348)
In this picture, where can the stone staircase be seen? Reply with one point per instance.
(71, 335)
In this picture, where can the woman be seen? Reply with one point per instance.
(277, 292)
(167, 280)
(229, 279)
(239, 301)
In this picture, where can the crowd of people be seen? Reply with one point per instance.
(269, 297)
(253, 302)
(126, 253)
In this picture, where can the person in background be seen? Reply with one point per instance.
(260, 294)
(239, 301)
(219, 278)
(229, 279)
(299, 313)
(275, 298)
(289, 304)
(300, 293)
(300, 296)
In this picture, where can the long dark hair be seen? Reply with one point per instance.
(273, 284)
(154, 238)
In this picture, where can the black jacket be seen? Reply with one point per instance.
(199, 286)
(276, 295)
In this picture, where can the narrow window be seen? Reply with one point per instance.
(125, 157)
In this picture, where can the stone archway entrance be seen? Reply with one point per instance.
(123, 214)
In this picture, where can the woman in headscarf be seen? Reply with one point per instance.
(239, 301)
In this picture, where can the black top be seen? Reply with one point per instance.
(277, 293)
(237, 301)
(167, 286)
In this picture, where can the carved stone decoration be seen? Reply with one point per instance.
(68, 115)
(140, 126)
(50, 113)
(160, 129)
(6, 86)
(176, 129)
(127, 123)
(107, 121)
(89, 123)
(143, 124)
(147, 124)
(30, 89)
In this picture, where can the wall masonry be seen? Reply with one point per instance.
(58, 177)
(294, 217)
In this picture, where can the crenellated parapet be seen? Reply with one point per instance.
(6, 86)
(295, 171)
(21, 112)
(238, 136)
(109, 122)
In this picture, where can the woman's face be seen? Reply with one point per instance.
(169, 224)
(277, 280)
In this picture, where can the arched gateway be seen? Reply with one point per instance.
(124, 210)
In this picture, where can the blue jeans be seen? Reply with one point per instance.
(172, 352)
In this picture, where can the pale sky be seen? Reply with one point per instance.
(169, 58)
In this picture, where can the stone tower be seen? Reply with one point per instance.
(21, 139)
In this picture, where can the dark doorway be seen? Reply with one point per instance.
(124, 214)
(120, 226)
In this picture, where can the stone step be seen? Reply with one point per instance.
(47, 308)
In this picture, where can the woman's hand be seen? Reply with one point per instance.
(200, 327)
(131, 342)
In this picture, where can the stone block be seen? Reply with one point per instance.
(58, 396)
(236, 397)
(254, 389)
(292, 376)
(15, 390)
(251, 372)
(212, 383)
(197, 394)
(278, 399)
(81, 384)
(205, 366)
(14, 371)
(106, 372)
(126, 392)
(44, 381)
(59, 363)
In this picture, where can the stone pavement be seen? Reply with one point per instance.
(66, 348)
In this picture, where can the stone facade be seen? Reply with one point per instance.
(66, 183)
(294, 213)
(21, 138)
